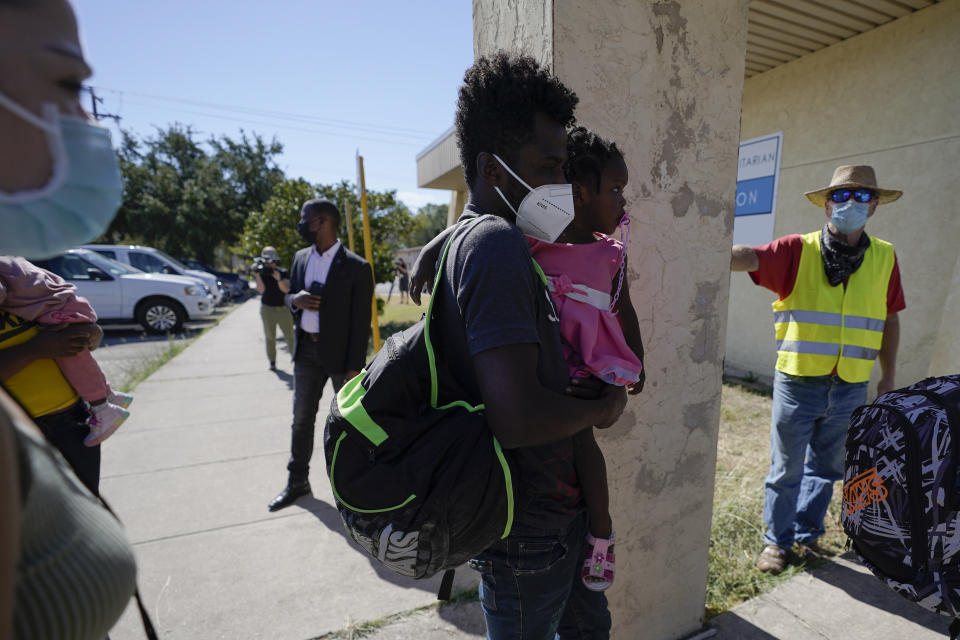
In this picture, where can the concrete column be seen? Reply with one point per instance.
(458, 200)
(664, 80)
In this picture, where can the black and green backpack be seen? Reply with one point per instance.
(420, 481)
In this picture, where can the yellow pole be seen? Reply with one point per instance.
(349, 227)
(368, 253)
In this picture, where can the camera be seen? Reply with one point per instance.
(263, 266)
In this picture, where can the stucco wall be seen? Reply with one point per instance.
(515, 25)
(888, 98)
(662, 79)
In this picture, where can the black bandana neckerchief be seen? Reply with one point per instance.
(840, 260)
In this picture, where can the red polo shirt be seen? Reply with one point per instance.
(780, 261)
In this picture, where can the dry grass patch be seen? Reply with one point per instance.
(743, 459)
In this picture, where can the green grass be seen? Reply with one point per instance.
(397, 317)
(139, 371)
(143, 369)
(743, 458)
(358, 630)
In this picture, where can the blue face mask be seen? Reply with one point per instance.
(849, 216)
(79, 201)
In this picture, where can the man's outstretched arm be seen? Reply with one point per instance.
(744, 258)
(523, 413)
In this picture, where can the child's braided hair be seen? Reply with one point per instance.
(587, 156)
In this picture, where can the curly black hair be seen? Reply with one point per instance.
(500, 95)
(588, 155)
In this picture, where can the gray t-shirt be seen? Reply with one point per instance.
(496, 297)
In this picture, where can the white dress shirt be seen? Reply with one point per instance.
(318, 267)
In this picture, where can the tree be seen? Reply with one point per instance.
(276, 224)
(187, 201)
(249, 167)
(430, 220)
(389, 222)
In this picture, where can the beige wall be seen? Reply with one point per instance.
(889, 98)
(515, 25)
(662, 79)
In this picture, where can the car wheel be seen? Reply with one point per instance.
(161, 315)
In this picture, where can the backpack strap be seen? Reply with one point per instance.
(446, 585)
(432, 362)
(431, 356)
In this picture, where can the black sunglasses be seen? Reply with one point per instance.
(860, 195)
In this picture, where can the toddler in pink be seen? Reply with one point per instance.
(37, 295)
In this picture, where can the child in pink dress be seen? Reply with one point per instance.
(37, 295)
(584, 270)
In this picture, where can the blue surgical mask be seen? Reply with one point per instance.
(80, 199)
(849, 216)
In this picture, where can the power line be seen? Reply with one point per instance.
(283, 115)
(277, 125)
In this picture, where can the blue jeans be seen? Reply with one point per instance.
(807, 435)
(531, 589)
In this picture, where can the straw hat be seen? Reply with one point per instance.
(853, 176)
(269, 253)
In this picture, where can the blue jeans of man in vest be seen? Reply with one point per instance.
(807, 434)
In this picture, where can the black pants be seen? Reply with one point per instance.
(309, 378)
(66, 430)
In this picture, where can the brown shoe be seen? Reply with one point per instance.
(772, 559)
(810, 551)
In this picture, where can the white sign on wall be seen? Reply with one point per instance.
(758, 172)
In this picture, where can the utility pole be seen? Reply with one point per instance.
(94, 100)
(368, 251)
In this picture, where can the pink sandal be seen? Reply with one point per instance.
(598, 567)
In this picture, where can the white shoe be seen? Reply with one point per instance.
(105, 418)
(120, 399)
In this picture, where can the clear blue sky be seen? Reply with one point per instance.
(378, 75)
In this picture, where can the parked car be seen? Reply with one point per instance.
(235, 286)
(152, 260)
(161, 303)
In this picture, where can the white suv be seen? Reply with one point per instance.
(117, 292)
(153, 260)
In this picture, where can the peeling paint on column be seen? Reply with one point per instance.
(705, 303)
(706, 341)
(680, 203)
(699, 415)
(678, 137)
(676, 23)
(710, 207)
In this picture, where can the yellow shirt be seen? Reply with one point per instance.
(39, 387)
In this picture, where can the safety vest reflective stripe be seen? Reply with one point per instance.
(829, 319)
(809, 346)
(809, 317)
(861, 353)
(862, 322)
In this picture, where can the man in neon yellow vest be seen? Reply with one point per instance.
(839, 294)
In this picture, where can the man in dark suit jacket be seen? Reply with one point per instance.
(331, 290)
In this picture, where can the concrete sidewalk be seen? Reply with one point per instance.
(205, 450)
